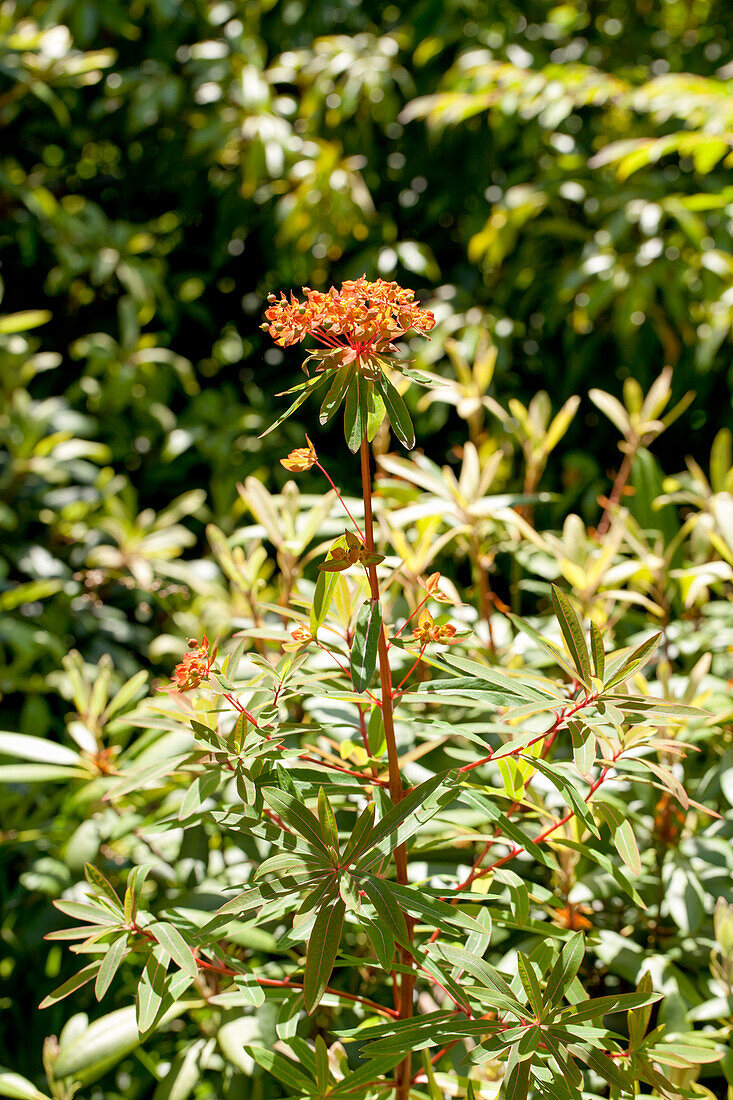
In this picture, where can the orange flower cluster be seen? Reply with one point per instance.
(359, 317)
(194, 667)
(301, 637)
(428, 631)
(301, 459)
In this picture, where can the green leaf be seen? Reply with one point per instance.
(516, 1083)
(530, 984)
(417, 806)
(565, 969)
(624, 840)
(133, 890)
(356, 418)
(584, 746)
(295, 814)
(397, 413)
(17, 1087)
(480, 970)
(308, 387)
(282, 1068)
(572, 632)
(151, 989)
(337, 389)
(549, 647)
(327, 818)
(365, 645)
(97, 880)
(507, 828)
(635, 661)
(71, 985)
(174, 945)
(322, 598)
(383, 943)
(597, 651)
(360, 834)
(110, 963)
(388, 911)
(197, 793)
(601, 1006)
(604, 1066)
(38, 748)
(565, 786)
(323, 948)
(92, 913)
(638, 1018)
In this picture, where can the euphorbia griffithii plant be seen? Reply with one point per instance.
(353, 866)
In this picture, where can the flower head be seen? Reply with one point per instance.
(359, 317)
(356, 327)
(427, 630)
(301, 459)
(194, 667)
(301, 637)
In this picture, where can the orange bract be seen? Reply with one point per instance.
(359, 317)
(194, 667)
(301, 459)
(428, 631)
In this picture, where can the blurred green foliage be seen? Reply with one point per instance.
(554, 176)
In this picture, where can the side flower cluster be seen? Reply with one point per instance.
(195, 666)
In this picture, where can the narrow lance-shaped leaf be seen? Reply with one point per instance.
(323, 947)
(597, 651)
(565, 969)
(530, 984)
(638, 1018)
(336, 391)
(635, 661)
(365, 645)
(399, 417)
(516, 1082)
(109, 967)
(71, 985)
(322, 597)
(327, 819)
(302, 397)
(572, 632)
(409, 805)
(295, 814)
(584, 746)
(356, 416)
(174, 945)
(625, 843)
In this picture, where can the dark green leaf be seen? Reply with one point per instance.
(397, 413)
(597, 651)
(71, 985)
(337, 389)
(174, 945)
(295, 814)
(110, 963)
(383, 900)
(572, 632)
(566, 967)
(365, 645)
(323, 948)
(635, 661)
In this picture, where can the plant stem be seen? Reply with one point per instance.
(616, 492)
(407, 984)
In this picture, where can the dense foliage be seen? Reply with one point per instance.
(554, 181)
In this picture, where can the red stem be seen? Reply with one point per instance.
(341, 499)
